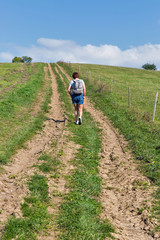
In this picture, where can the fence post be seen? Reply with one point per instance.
(154, 109)
(111, 85)
(79, 68)
(129, 97)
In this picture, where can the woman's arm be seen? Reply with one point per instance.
(69, 90)
(84, 90)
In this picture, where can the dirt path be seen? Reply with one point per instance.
(126, 194)
(12, 182)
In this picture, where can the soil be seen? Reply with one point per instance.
(127, 196)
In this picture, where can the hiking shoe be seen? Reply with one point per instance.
(76, 123)
(80, 121)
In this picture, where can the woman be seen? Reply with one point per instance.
(77, 91)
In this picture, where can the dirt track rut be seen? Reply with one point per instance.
(126, 194)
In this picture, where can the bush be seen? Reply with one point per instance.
(148, 66)
(23, 59)
(17, 60)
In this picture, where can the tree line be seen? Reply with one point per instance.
(24, 59)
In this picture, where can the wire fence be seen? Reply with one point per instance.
(139, 95)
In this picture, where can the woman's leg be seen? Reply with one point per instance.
(80, 110)
(76, 111)
(80, 107)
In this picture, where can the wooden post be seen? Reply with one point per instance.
(154, 109)
(129, 97)
(111, 85)
(79, 68)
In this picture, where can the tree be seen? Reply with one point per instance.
(27, 59)
(17, 60)
(148, 66)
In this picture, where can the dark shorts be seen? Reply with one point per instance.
(77, 99)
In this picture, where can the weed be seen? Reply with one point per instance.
(57, 194)
(12, 176)
(55, 176)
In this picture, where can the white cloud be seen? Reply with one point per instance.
(52, 50)
(6, 56)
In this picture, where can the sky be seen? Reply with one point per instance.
(111, 32)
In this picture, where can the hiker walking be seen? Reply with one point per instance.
(77, 91)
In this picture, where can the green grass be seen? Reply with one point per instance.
(11, 74)
(49, 164)
(79, 213)
(143, 136)
(16, 120)
(34, 209)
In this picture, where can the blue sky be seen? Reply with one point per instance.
(81, 31)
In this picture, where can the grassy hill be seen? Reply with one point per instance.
(66, 185)
(143, 86)
(135, 123)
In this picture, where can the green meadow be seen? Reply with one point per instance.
(143, 86)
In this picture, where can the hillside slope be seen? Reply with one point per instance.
(74, 182)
